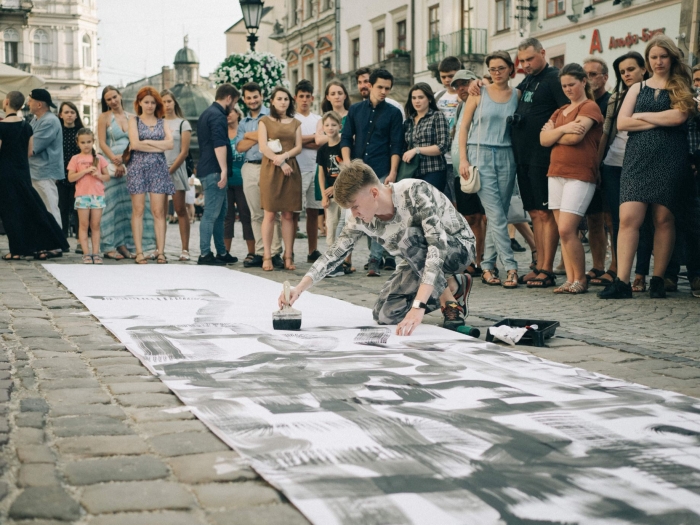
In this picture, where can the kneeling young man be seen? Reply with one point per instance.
(413, 219)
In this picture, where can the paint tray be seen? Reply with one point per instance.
(545, 330)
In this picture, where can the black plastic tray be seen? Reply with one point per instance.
(545, 330)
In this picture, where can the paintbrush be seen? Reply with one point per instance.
(286, 318)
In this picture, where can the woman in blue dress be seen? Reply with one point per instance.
(148, 172)
(112, 132)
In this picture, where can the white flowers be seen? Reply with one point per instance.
(263, 68)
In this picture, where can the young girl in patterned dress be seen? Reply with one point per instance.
(89, 171)
(148, 171)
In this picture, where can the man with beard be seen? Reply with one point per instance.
(213, 170)
(247, 142)
(363, 86)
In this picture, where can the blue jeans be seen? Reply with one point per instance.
(437, 179)
(610, 186)
(212, 223)
(497, 171)
(376, 250)
(687, 248)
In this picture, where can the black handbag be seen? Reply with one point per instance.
(408, 170)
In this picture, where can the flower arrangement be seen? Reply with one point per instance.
(263, 68)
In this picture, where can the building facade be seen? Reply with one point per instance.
(57, 40)
(271, 26)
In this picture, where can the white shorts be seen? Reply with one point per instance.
(570, 195)
(308, 191)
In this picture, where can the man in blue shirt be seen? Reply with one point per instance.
(247, 142)
(46, 160)
(373, 132)
(213, 170)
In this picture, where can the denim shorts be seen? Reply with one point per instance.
(89, 202)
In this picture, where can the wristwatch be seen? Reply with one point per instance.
(418, 304)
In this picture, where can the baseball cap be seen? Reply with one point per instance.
(42, 95)
(464, 74)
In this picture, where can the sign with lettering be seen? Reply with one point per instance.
(629, 40)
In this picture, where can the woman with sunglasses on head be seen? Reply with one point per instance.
(484, 142)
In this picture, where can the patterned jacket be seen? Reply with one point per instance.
(419, 207)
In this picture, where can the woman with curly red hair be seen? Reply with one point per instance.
(148, 170)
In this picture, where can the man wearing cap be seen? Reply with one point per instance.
(46, 158)
(468, 204)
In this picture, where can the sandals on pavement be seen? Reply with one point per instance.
(267, 265)
(511, 281)
(140, 259)
(639, 284)
(184, 255)
(596, 274)
(114, 255)
(96, 259)
(489, 277)
(523, 279)
(548, 280)
(533, 263)
(42, 255)
(161, 258)
(564, 288)
(289, 265)
(126, 253)
(87, 259)
(602, 281)
(577, 287)
(348, 268)
(10, 257)
(248, 258)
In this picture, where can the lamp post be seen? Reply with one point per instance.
(252, 14)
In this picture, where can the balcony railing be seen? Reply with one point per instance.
(464, 42)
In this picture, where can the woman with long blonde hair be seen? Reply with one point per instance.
(656, 161)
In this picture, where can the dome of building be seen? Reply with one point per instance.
(193, 99)
(186, 55)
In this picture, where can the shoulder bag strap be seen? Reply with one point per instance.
(478, 134)
(371, 131)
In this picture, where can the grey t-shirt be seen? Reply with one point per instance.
(174, 125)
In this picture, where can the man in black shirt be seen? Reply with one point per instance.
(541, 96)
(597, 72)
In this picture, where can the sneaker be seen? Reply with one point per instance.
(452, 315)
(227, 258)
(313, 256)
(79, 249)
(657, 288)
(381, 263)
(337, 272)
(373, 268)
(253, 261)
(277, 262)
(464, 288)
(301, 235)
(516, 246)
(210, 260)
(390, 264)
(671, 284)
(695, 287)
(616, 290)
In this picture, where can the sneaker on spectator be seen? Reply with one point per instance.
(277, 262)
(337, 272)
(227, 258)
(390, 264)
(253, 261)
(313, 256)
(373, 268)
(616, 290)
(452, 314)
(210, 260)
(516, 246)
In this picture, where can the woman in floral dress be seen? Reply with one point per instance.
(148, 170)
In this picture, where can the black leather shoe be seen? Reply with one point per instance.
(210, 260)
(227, 258)
(313, 256)
(516, 246)
(254, 262)
(657, 288)
(277, 262)
(390, 264)
(671, 284)
(617, 290)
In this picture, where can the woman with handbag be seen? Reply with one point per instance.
(426, 138)
(279, 139)
(113, 136)
(486, 152)
(176, 157)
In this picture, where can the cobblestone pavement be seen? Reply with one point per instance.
(88, 436)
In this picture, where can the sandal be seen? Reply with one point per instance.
(548, 280)
(96, 259)
(577, 287)
(533, 264)
(248, 258)
(511, 281)
(596, 274)
(289, 266)
(142, 259)
(564, 288)
(87, 259)
(114, 255)
(492, 279)
(42, 255)
(639, 284)
(184, 255)
(125, 253)
(267, 265)
(161, 258)
(348, 268)
(10, 257)
(153, 256)
(602, 281)
(523, 279)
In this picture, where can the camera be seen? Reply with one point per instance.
(516, 120)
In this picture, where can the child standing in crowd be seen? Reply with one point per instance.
(573, 132)
(89, 172)
(71, 123)
(329, 158)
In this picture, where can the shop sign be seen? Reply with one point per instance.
(628, 41)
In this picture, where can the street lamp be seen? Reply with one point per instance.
(252, 14)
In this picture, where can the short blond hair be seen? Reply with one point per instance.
(351, 180)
